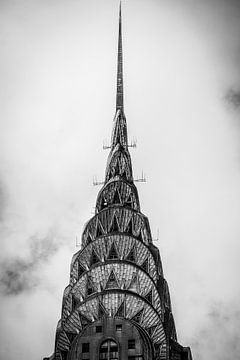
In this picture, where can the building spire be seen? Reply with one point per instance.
(119, 161)
(119, 100)
(119, 134)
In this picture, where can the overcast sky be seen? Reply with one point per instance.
(182, 102)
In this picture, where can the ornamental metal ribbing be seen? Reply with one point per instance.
(117, 304)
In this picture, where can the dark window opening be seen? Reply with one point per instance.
(112, 253)
(124, 175)
(120, 311)
(99, 231)
(90, 288)
(138, 316)
(101, 311)
(129, 201)
(89, 291)
(112, 282)
(131, 255)
(148, 297)
(94, 258)
(145, 265)
(98, 329)
(114, 225)
(151, 330)
(80, 270)
(74, 303)
(71, 336)
(85, 347)
(139, 237)
(112, 277)
(129, 229)
(116, 198)
(131, 344)
(119, 327)
(84, 320)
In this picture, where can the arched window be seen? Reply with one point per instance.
(108, 350)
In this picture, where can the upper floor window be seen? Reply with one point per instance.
(98, 329)
(85, 347)
(131, 344)
(119, 327)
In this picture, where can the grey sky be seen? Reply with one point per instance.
(182, 91)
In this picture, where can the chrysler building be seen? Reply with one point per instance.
(117, 304)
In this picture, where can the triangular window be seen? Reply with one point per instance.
(74, 303)
(129, 201)
(70, 336)
(90, 288)
(145, 265)
(99, 231)
(139, 237)
(84, 320)
(138, 316)
(131, 256)
(112, 252)
(112, 282)
(151, 330)
(114, 227)
(124, 175)
(116, 198)
(80, 270)
(134, 284)
(148, 297)
(129, 229)
(94, 258)
(120, 312)
(101, 311)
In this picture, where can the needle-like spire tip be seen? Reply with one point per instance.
(119, 101)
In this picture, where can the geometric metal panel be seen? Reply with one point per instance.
(127, 195)
(122, 244)
(101, 224)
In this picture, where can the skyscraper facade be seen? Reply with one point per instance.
(117, 304)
